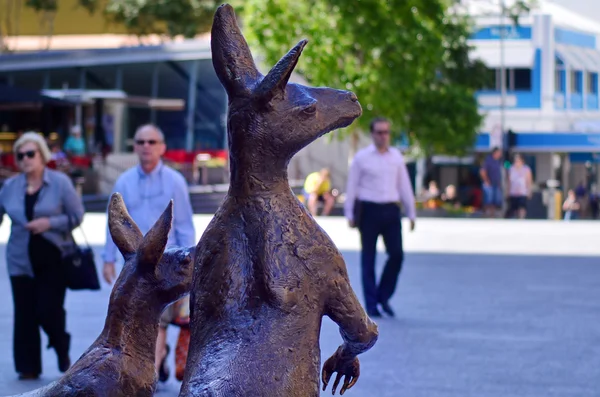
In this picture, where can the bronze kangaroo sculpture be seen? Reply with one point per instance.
(120, 363)
(265, 272)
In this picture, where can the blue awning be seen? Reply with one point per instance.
(593, 158)
(558, 142)
(566, 142)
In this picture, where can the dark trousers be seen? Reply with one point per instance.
(38, 302)
(384, 220)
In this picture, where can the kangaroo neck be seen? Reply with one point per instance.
(252, 186)
(248, 179)
(132, 328)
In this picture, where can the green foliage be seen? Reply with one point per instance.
(50, 6)
(405, 59)
(89, 5)
(170, 17)
(42, 5)
(519, 8)
(144, 17)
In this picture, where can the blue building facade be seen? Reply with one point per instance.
(552, 64)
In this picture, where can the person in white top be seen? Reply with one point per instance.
(377, 182)
(519, 186)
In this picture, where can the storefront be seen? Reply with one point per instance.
(172, 85)
(113, 91)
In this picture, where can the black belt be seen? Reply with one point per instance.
(379, 204)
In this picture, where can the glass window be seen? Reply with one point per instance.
(592, 83)
(521, 80)
(575, 80)
(559, 81)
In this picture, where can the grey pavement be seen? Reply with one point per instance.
(484, 309)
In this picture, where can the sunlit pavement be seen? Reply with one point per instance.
(484, 308)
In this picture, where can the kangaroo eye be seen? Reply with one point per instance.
(311, 109)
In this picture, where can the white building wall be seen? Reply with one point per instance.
(333, 154)
(543, 36)
(544, 167)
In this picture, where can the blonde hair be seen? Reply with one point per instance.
(36, 138)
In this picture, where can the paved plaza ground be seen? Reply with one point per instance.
(485, 308)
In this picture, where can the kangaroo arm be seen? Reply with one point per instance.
(356, 328)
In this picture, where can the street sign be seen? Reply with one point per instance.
(496, 137)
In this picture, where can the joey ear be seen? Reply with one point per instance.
(275, 81)
(153, 245)
(231, 55)
(125, 233)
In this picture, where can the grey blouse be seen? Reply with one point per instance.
(57, 200)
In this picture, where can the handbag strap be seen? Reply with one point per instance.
(80, 228)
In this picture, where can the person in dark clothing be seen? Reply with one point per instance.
(43, 207)
(491, 176)
(594, 202)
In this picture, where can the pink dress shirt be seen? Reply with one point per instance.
(379, 178)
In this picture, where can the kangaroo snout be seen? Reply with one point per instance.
(355, 105)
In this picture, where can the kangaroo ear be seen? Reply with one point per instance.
(231, 55)
(276, 80)
(153, 245)
(123, 230)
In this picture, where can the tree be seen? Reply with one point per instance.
(10, 11)
(405, 59)
(170, 18)
(164, 17)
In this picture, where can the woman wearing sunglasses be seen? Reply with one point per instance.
(43, 207)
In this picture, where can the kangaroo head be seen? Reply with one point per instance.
(150, 273)
(270, 120)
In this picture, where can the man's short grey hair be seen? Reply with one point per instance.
(36, 138)
(154, 127)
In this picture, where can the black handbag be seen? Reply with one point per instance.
(80, 266)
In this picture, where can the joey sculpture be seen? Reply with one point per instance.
(265, 272)
(120, 363)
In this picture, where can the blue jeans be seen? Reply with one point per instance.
(492, 195)
(571, 215)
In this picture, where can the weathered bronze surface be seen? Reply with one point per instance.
(265, 272)
(120, 363)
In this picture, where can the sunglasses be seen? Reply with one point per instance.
(381, 132)
(29, 153)
(141, 142)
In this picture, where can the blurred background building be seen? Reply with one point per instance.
(81, 70)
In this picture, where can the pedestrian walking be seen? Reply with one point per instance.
(519, 186)
(571, 206)
(491, 176)
(44, 208)
(147, 189)
(377, 182)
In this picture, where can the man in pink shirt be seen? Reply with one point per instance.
(377, 182)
